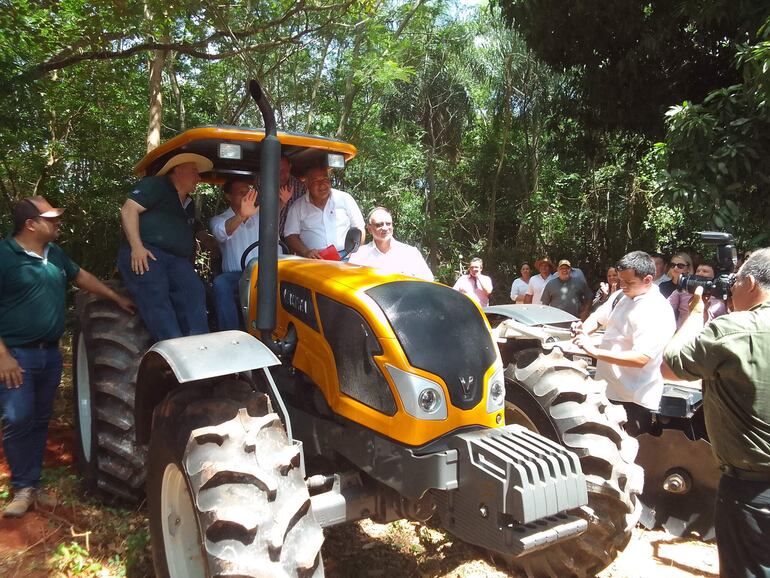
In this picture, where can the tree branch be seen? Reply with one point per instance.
(196, 49)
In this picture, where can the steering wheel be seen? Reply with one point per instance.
(246, 252)
(283, 247)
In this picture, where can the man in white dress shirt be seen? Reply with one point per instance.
(638, 327)
(234, 230)
(538, 282)
(322, 217)
(384, 252)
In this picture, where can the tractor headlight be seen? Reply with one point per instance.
(429, 400)
(422, 398)
(496, 391)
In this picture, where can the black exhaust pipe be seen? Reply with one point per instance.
(269, 161)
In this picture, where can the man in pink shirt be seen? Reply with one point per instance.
(475, 285)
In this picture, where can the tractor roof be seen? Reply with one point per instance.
(303, 150)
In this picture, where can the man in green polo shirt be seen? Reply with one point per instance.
(34, 273)
(732, 357)
(156, 265)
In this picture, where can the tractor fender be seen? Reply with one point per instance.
(183, 361)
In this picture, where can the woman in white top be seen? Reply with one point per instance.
(519, 286)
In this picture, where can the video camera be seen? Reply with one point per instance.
(727, 257)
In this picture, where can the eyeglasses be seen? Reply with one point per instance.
(680, 265)
(382, 224)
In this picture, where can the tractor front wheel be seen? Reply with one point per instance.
(557, 398)
(225, 490)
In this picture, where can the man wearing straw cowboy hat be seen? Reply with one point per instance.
(537, 282)
(160, 225)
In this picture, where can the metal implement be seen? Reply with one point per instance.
(680, 483)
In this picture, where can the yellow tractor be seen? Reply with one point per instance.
(352, 394)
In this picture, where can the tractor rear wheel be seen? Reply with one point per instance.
(225, 489)
(557, 398)
(108, 346)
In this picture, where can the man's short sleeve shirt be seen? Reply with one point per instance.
(319, 228)
(536, 286)
(401, 258)
(33, 292)
(166, 223)
(566, 295)
(732, 357)
(644, 324)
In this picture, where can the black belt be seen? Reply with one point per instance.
(747, 475)
(39, 344)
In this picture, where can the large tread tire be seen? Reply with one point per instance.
(108, 346)
(248, 511)
(558, 398)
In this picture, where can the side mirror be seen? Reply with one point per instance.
(352, 242)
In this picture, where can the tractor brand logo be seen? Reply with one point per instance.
(467, 384)
(295, 302)
(298, 301)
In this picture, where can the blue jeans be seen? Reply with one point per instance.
(226, 301)
(26, 412)
(170, 296)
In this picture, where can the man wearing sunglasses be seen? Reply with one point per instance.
(34, 274)
(732, 357)
(384, 252)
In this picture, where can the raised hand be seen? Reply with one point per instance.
(284, 194)
(248, 207)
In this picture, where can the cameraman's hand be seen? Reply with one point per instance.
(696, 301)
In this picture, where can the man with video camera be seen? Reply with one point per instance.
(732, 357)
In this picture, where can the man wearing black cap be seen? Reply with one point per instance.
(161, 228)
(34, 273)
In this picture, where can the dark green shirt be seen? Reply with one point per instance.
(166, 223)
(732, 357)
(33, 292)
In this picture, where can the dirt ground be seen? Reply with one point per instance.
(85, 537)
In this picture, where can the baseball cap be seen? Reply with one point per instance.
(34, 207)
(564, 263)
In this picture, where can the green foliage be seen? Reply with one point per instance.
(73, 560)
(482, 140)
(713, 161)
(632, 59)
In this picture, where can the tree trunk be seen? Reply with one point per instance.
(430, 202)
(177, 95)
(317, 84)
(501, 158)
(350, 88)
(156, 98)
